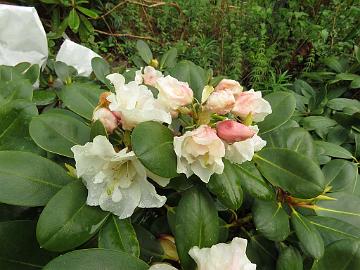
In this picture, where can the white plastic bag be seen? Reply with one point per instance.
(77, 56)
(22, 36)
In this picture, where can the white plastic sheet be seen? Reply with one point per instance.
(77, 56)
(22, 36)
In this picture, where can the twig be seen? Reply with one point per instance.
(126, 35)
(111, 10)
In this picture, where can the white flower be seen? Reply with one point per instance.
(200, 151)
(251, 102)
(115, 181)
(233, 86)
(242, 151)
(220, 102)
(223, 256)
(135, 103)
(173, 93)
(162, 266)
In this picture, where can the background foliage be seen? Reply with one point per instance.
(297, 202)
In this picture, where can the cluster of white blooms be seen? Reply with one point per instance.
(200, 151)
(117, 181)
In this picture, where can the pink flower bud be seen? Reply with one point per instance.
(232, 131)
(107, 118)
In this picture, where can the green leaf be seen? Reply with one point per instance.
(197, 224)
(252, 181)
(153, 145)
(333, 63)
(32, 74)
(119, 234)
(283, 106)
(333, 150)
(271, 220)
(342, 254)
(308, 235)
(346, 77)
(227, 187)
(73, 20)
(194, 75)
(15, 89)
(168, 60)
(95, 259)
(144, 51)
(81, 98)
(344, 206)
(150, 248)
(62, 71)
(289, 258)
(97, 128)
(355, 83)
(332, 229)
(57, 132)
(339, 104)
(88, 12)
(297, 139)
(291, 171)
(101, 69)
(340, 174)
(262, 252)
(29, 180)
(43, 97)
(14, 126)
(67, 221)
(19, 249)
(317, 122)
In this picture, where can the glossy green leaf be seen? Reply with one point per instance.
(81, 98)
(297, 139)
(15, 89)
(283, 106)
(339, 104)
(332, 229)
(19, 249)
(73, 20)
(197, 224)
(43, 97)
(14, 126)
(67, 221)
(95, 259)
(150, 248)
(62, 70)
(344, 206)
(32, 73)
(317, 122)
(168, 60)
(194, 75)
(291, 171)
(289, 258)
(334, 63)
(227, 187)
(262, 252)
(271, 220)
(119, 234)
(29, 180)
(101, 69)
(308, 235)
(88, 12)
(57, 132)
(333, 150)
(144, 51)
(97, 128)
(342, 254)
(252, 181)
(153, 145)
(340, 174)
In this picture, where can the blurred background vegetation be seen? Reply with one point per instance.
(265, 44)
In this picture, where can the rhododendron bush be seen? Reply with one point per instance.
(166, 166)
